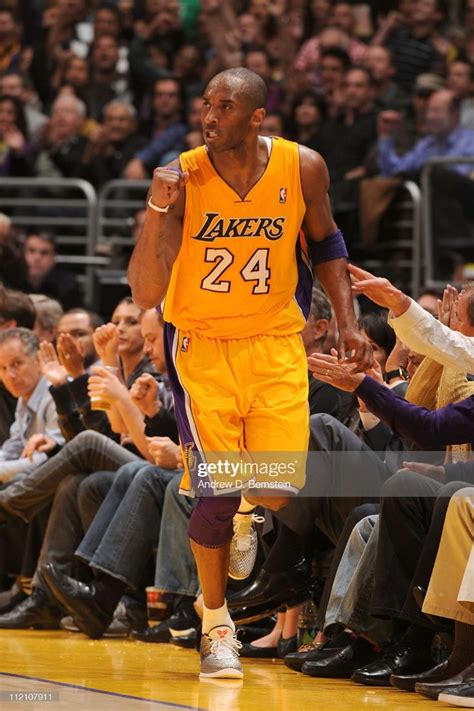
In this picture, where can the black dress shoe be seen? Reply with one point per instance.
(342, 663)
(78, 599)
(68, 625)
(35, 612)
(407, 682)
(285, 646)
(398, 659)
(159, 634)
(315, 652)
(253, 613)
(183, 626)
(431, 689)
(190, 640)
(307, 653)
(268, 587)
(126, 618)
(11, 598)
(249, 650)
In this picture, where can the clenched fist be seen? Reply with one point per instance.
(166, 186)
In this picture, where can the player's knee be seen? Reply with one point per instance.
(211, 521)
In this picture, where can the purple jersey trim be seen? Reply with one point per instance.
(304, 287)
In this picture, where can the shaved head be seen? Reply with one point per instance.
(247, 83)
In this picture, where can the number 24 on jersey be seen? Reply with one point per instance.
(256, 270)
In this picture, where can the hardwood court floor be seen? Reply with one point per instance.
(139, 676)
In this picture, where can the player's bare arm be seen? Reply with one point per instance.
(160, 240)
(318, 225)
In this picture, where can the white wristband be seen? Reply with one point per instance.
(156, 208)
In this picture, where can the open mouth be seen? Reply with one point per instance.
(210, 133)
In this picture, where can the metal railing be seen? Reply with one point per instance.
(427, 237)
(401, 249)
(65, 206)
(83, 220)
(118, 202)
(415, 194)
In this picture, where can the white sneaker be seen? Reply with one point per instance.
(220, 654)
(244, 546)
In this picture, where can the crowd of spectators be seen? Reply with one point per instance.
(93, 529)
(90, 511)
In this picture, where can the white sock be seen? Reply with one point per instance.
(216, 618)
(245, 507)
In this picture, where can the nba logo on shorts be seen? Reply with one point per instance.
(185, 344)
(282, 194)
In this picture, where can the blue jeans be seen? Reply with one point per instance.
(356, 579)
(126, 528)
(175, 567)
(99, 497)
(88, 452)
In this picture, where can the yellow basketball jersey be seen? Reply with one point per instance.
(242, 269)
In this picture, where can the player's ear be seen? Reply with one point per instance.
(257, 117)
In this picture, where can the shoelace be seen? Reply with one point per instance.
(243, 531)
(225, 645)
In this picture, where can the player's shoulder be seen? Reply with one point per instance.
(313, 171)
(310, 158)
(193, 159)
(312, 164)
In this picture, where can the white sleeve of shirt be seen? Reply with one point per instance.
(424, 334)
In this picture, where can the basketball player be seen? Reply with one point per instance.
(222, 239)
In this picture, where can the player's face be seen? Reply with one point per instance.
(225, 116)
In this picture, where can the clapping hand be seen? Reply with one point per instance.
(447, 307)
(71, 355)
(50, 365)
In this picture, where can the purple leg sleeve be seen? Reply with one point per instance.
(211, 521)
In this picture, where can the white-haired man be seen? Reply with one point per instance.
(64, 142)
